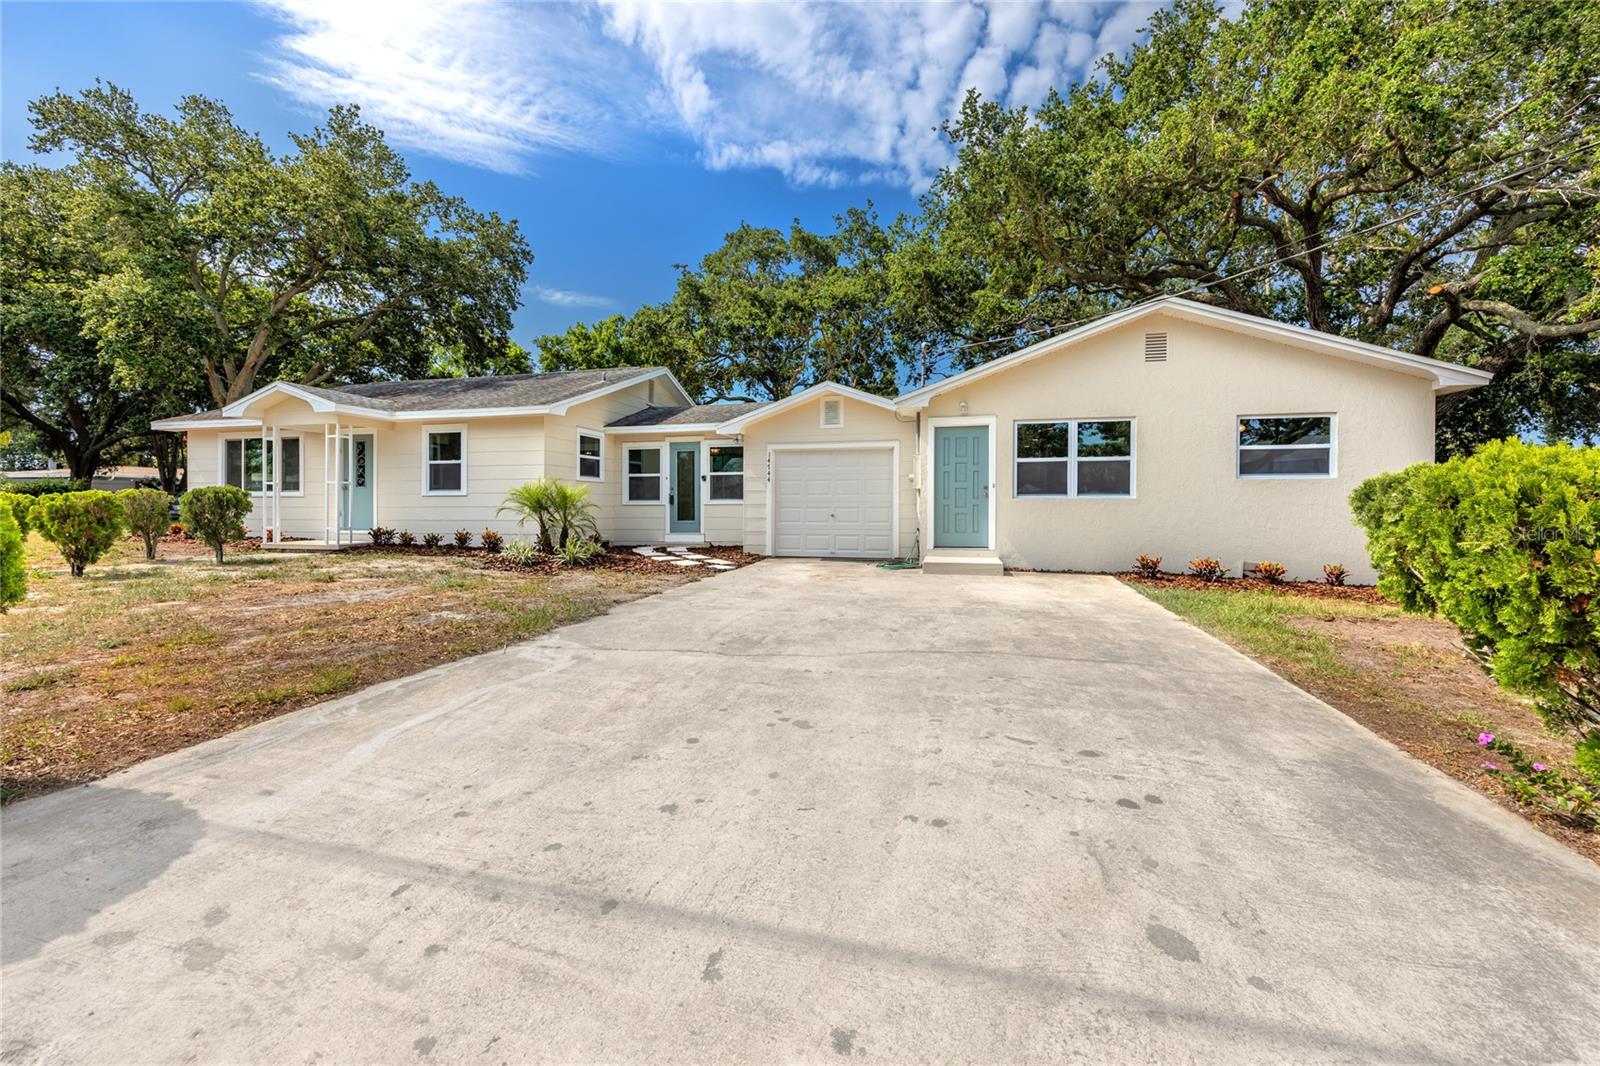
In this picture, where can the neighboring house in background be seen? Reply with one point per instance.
(110, 478)
(1173, 428)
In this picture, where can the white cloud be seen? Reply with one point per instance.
(825, 93)
(566, 298)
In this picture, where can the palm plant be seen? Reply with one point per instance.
(559, 510)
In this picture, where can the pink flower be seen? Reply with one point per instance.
(1489, 766)
(1485, 739)
(1541, 767)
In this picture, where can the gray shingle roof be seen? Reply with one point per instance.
(696, 414)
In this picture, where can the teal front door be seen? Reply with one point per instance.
(355, 494)
(683, 503)
(961, 487)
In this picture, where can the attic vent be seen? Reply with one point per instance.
(1155, 347)
(832, 414)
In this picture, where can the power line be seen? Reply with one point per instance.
(1056, 328)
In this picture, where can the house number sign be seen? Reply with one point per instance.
(361, 464)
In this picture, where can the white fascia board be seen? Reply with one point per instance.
(182, 423)
(662, 429)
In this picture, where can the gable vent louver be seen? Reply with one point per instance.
(1155, 347)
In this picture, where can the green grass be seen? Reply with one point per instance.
(1259, 623)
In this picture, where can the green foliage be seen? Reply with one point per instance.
(558, 510)
(1586, 757)
(45, 486)
(523, 552)
(407, 538)
(215, 514)
(148, 513)
(579, 551)
(432, 540)
(20, 508)
(84, 525)
(1505, 544)
(381, 535)
(13, 574)
(1533, 783)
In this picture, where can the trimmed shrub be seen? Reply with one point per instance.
(1505, 543)
(463, 538)
(432, 540)
(406, 539)
(523, 552)
(13, 574)
(84, 525)
(146, 512)
(1334, 574)
(579, 552)
(1147, 566)
(1586, 757)
(49, 486)
(215, 514)
(1208, 568)
(381, 535)
(1270, 572)
(491, 540)
(21, 508)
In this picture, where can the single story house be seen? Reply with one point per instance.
(1172, 428)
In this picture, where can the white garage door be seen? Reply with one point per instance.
(834, 502)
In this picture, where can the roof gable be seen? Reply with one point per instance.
(823, 388)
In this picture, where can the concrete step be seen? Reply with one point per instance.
(947, 563)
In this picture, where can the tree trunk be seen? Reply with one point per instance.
(82, 465)
(169, 449)
(218, 546)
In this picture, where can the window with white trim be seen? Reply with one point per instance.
(644, 474)
(590, 452)
(1072, 458)
(446, 464)
(241, 465)
(726, 473)
(832, 413)
(1286, 446)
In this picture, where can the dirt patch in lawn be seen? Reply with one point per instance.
(142, 658)
(1406, 678)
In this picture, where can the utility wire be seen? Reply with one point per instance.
(1056, 328)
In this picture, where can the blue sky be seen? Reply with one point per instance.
(623, 137)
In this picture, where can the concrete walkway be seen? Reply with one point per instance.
(803, 811)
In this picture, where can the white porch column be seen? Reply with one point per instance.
(263, 495)
(325, 482)
(338, 479)
(277, 484)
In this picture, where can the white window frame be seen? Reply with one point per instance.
(427, 464)
(579, 457)
(266, 486)
(705, 461)
(1072, 458)
(661, 475)
(822, 413)
(1332, 446)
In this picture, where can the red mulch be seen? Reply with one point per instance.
(611, 559)
(1360, 593)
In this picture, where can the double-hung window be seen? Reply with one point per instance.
(242, 466)
(589, 455)
(1073, 458)
(446, 464)
(644, 474)
(1286, 446)
(726, 481)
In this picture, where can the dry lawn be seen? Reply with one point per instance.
(137, 659)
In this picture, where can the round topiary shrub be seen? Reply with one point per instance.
(215, 514)
(13, 574)
(84, 525)
(147, 512)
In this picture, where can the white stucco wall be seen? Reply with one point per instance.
(1189, 500)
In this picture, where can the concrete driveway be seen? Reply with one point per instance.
(802, 811)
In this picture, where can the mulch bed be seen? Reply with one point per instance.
(1319, 589)
(623, 559)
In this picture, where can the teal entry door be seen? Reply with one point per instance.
(358, 474)
(683, 505)
(961, 487)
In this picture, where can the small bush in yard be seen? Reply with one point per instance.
(1586, 757)
(1505, 543)
(1208, 568)
(146, 513)
(1535, 784)
(1270, 572)
(13, 575)
(463, 538)
(21, 508)
(84, 525)
(522, 552)
(176, 530)
(1334, 574)
(380, 535)
(406, 539)
(215, 514)
(576, 552)
(1147, 566)
(491, 540)
(432, 540)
